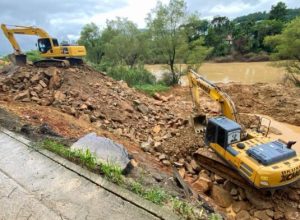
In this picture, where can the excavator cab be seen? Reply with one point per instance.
(222, 131)
(46, 44)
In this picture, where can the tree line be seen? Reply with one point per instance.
(174, 35)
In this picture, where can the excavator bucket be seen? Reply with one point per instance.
(19, 60)
(198, 122)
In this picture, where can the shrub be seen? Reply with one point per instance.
(132, 76)
(224, 59)
(256, 57)
(33, 55)
(102, 67)
(167, 78)
(151, 89)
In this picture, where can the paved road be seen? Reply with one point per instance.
(33, 186)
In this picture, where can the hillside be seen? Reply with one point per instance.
(259, 16)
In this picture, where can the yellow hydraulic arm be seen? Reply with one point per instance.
(10, 32)
(196, 81)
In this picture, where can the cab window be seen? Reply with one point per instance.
(44, 45)
(211, 132)
(55, 42)
(221, 137)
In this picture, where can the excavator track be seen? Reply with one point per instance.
(52, 63)
(62, 63)
(212, 162)
(75, 61)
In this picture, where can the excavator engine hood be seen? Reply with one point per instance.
(271, 153)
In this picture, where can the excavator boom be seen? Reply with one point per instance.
(195, 82)
(10, 34)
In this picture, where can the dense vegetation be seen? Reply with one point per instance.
(171, 37)
(287, 46)
(174, 35)
(260, 16)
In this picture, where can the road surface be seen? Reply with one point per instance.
(33, 186)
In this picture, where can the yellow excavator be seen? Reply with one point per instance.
(259, 160)
(49, 48)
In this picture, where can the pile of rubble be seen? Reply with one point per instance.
(96, 98)
(239, 203)
(158, 125)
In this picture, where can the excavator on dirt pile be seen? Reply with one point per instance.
(260, 161)
(49, 48)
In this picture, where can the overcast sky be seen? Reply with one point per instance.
(64, 18)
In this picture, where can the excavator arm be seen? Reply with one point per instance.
(10, 34)
(196, 81)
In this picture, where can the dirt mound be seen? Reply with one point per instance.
(276, 100)
(95, 98)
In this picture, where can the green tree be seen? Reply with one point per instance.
(90, 37)
(263, 29)
(197, 52)
(257, 16)
(243, 37)
(287, 46)
(169, 35)
(217, 37)
(164, 23)
(124, 43)
(195, 27)
(279, 11)
(260, 16)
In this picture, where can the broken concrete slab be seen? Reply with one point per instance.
(106, 150)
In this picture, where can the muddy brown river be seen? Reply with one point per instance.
(254, 72)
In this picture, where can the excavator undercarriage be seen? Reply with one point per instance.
(212, 162)
(63, 63)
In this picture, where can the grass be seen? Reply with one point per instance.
(113, 173)
(84, 158)
(153, 194)
(151, 89)
(215, 217)
(156, 195)
(110, 171)
(137, 188)
(184, 209)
